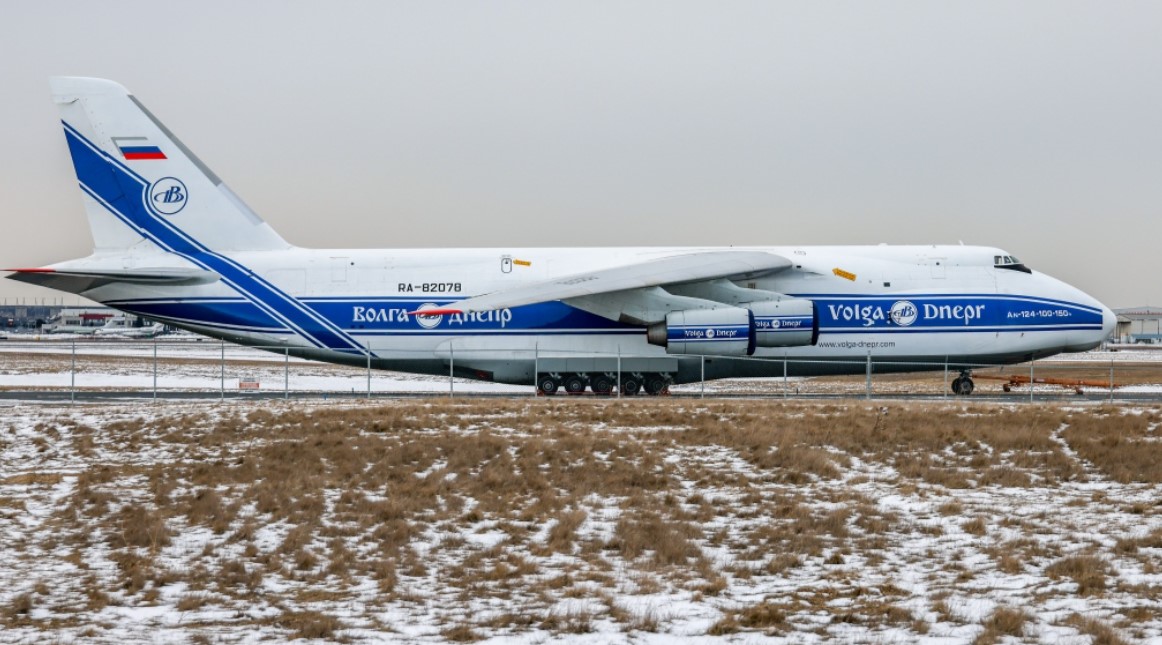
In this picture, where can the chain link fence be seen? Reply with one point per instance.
(88, 369)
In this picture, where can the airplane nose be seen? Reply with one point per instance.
(1109, 322)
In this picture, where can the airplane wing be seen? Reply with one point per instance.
(674, 270)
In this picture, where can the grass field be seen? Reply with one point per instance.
(569, 519)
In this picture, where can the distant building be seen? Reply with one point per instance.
(24, 316)
(1139, 325)
(78, 320)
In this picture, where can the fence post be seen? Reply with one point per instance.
(619, 370)
(155, 369)
(945, 395)
(703, 395)
(286, 373)
(368, 369)
(1032, 361)
(536, 369)
(223, 368)
(786, 384)
(451, 370)
(73, 375)
(1111, 380)
(869, 374)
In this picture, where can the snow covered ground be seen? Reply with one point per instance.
(580, 521)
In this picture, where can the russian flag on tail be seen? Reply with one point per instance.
(133, 148)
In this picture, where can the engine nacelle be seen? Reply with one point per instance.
(785, 323)
(727, 331)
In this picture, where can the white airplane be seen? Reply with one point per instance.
(173, 244)
(123, 327)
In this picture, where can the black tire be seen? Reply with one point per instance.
(655, 384)
(602, 385)
(630, 386)
(962, 386)
(574, 384)
(547, 385)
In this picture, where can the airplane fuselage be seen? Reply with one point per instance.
(922, 304)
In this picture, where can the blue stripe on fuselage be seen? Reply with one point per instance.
(916, 313)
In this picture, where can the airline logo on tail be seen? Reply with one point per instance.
(135, 148)
(168, 195)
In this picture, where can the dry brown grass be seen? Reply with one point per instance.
(19, 608)
(1102, 633)
(1004, 621)
(1088, 571)
(1125, 447)
(563, 533)
(461, 634)
(577, 500)
(666, 542)
(975, 526)
(764, 616)
(309, 624)
(570, 621)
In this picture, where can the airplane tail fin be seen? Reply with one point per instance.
(141, 185)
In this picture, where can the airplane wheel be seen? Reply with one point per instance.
(574, 384)
(602, 385)
(547, 385)
(962, 386)
(630, 387)
(655, 384)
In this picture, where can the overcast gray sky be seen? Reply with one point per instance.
(1033, 126)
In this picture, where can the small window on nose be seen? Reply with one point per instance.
(1010, 262)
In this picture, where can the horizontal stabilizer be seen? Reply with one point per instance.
(77, 281)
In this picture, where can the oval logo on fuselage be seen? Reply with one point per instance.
(903, 313)
(427, 322)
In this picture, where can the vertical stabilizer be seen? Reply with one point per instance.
(142, 185)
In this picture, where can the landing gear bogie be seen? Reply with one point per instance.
(603, 383)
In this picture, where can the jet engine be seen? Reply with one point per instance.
(789, 322)
(727, 331)
(737, 331)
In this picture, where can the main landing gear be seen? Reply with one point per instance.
(963, 385)
(604, 383)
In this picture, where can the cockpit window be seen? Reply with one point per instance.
(1010, 262)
